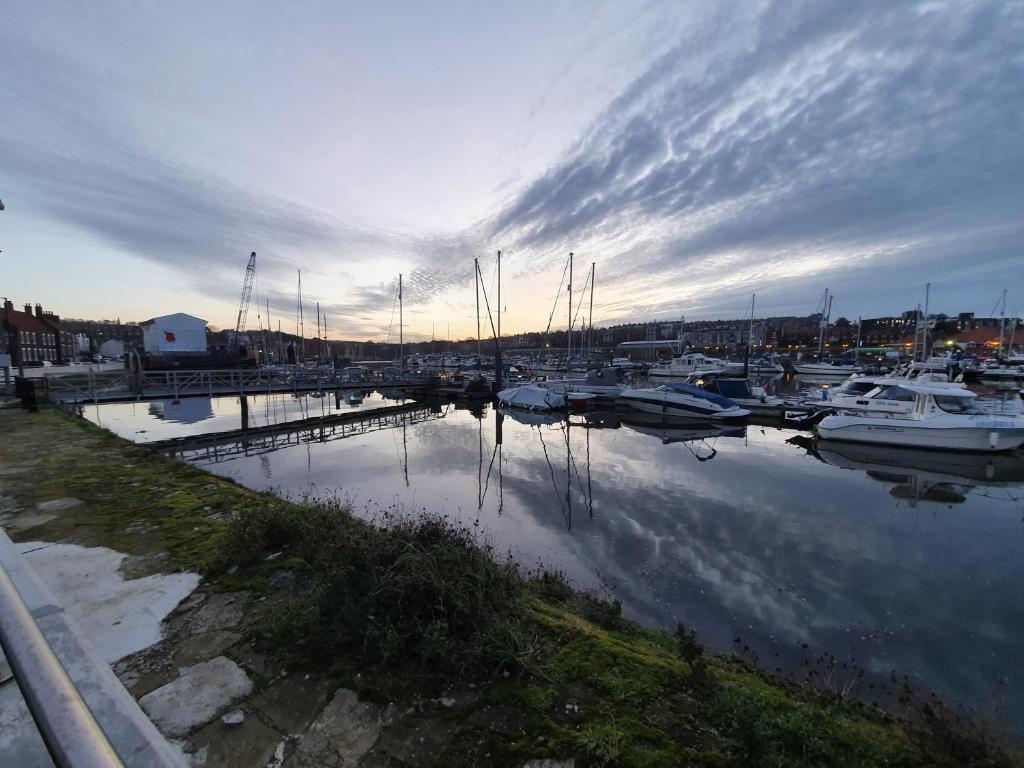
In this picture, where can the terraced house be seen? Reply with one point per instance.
(33, 338)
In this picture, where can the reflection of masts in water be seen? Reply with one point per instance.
(405, 453)
(551, 469)
(483, 484)
(568, 478)
(403, 460)
(590, 487)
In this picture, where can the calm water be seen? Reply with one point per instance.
(904, 561)
(151, 420)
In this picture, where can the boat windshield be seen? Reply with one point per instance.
(956, 404)
(733, 388)
(895, 393)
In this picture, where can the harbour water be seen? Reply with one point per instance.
(154, 420)
(894, 562)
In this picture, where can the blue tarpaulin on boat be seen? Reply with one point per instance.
(689, 389)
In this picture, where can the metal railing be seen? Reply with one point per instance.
(128, 385)
(72, 736)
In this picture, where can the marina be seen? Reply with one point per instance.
(824, 547)
(524, 385)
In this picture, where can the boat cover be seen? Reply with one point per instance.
(689, 389)
(533, 397)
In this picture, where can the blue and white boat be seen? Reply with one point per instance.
(682, 401)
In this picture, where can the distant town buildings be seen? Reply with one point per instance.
(33, 336)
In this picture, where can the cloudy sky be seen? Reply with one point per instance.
(696, 152)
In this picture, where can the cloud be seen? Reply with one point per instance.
(827, 133)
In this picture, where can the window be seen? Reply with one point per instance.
(956, 404)
(896, 393)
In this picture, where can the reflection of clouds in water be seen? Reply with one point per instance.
(763, 542)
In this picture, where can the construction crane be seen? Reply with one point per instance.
(243, 305)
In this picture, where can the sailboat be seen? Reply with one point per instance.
(826, 367)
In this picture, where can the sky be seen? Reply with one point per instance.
(694, 152)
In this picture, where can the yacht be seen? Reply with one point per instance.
(682, 366)
(940, 417)
(605, 383)
(994, 370)
(765, 364)
(682, 401)
(827, 368)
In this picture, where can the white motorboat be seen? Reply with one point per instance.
(765, 365)
(682, 366)
(994, 370)
(532, 398)
(683, 401)
(825, 368)
(606, 383)
(941, 417)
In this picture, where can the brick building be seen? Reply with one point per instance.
(33, 337)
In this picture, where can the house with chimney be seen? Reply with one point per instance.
(32, 337)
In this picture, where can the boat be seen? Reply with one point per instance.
(826, 368)
(823, 367)
(531, 397)
(684, 365)
(738, 390)
(625, 364)
(605, 383)
(993, 370)
(765, 364)
(682, 401)
(943, 418)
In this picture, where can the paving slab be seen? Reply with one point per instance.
(251, 744)
(341, 736)
(291, 704)
(195, 697)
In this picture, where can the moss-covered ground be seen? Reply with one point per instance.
(417, 611)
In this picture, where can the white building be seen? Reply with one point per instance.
(112, 348)
(174, 334)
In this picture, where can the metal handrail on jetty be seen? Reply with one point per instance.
(72, 736)
(113, 386)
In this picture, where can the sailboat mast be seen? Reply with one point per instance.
(270, 332)
(823, 324)
(499, 299)
(476, 286)
(750, 333)
(568, 333)
(319, 339)
(401, 337)
(924, 330)
(302, 321)
(590, 320)
(1002, 325)
(856, 343)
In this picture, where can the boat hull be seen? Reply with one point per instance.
(983, 435)
(814, 369)
(681, 410)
